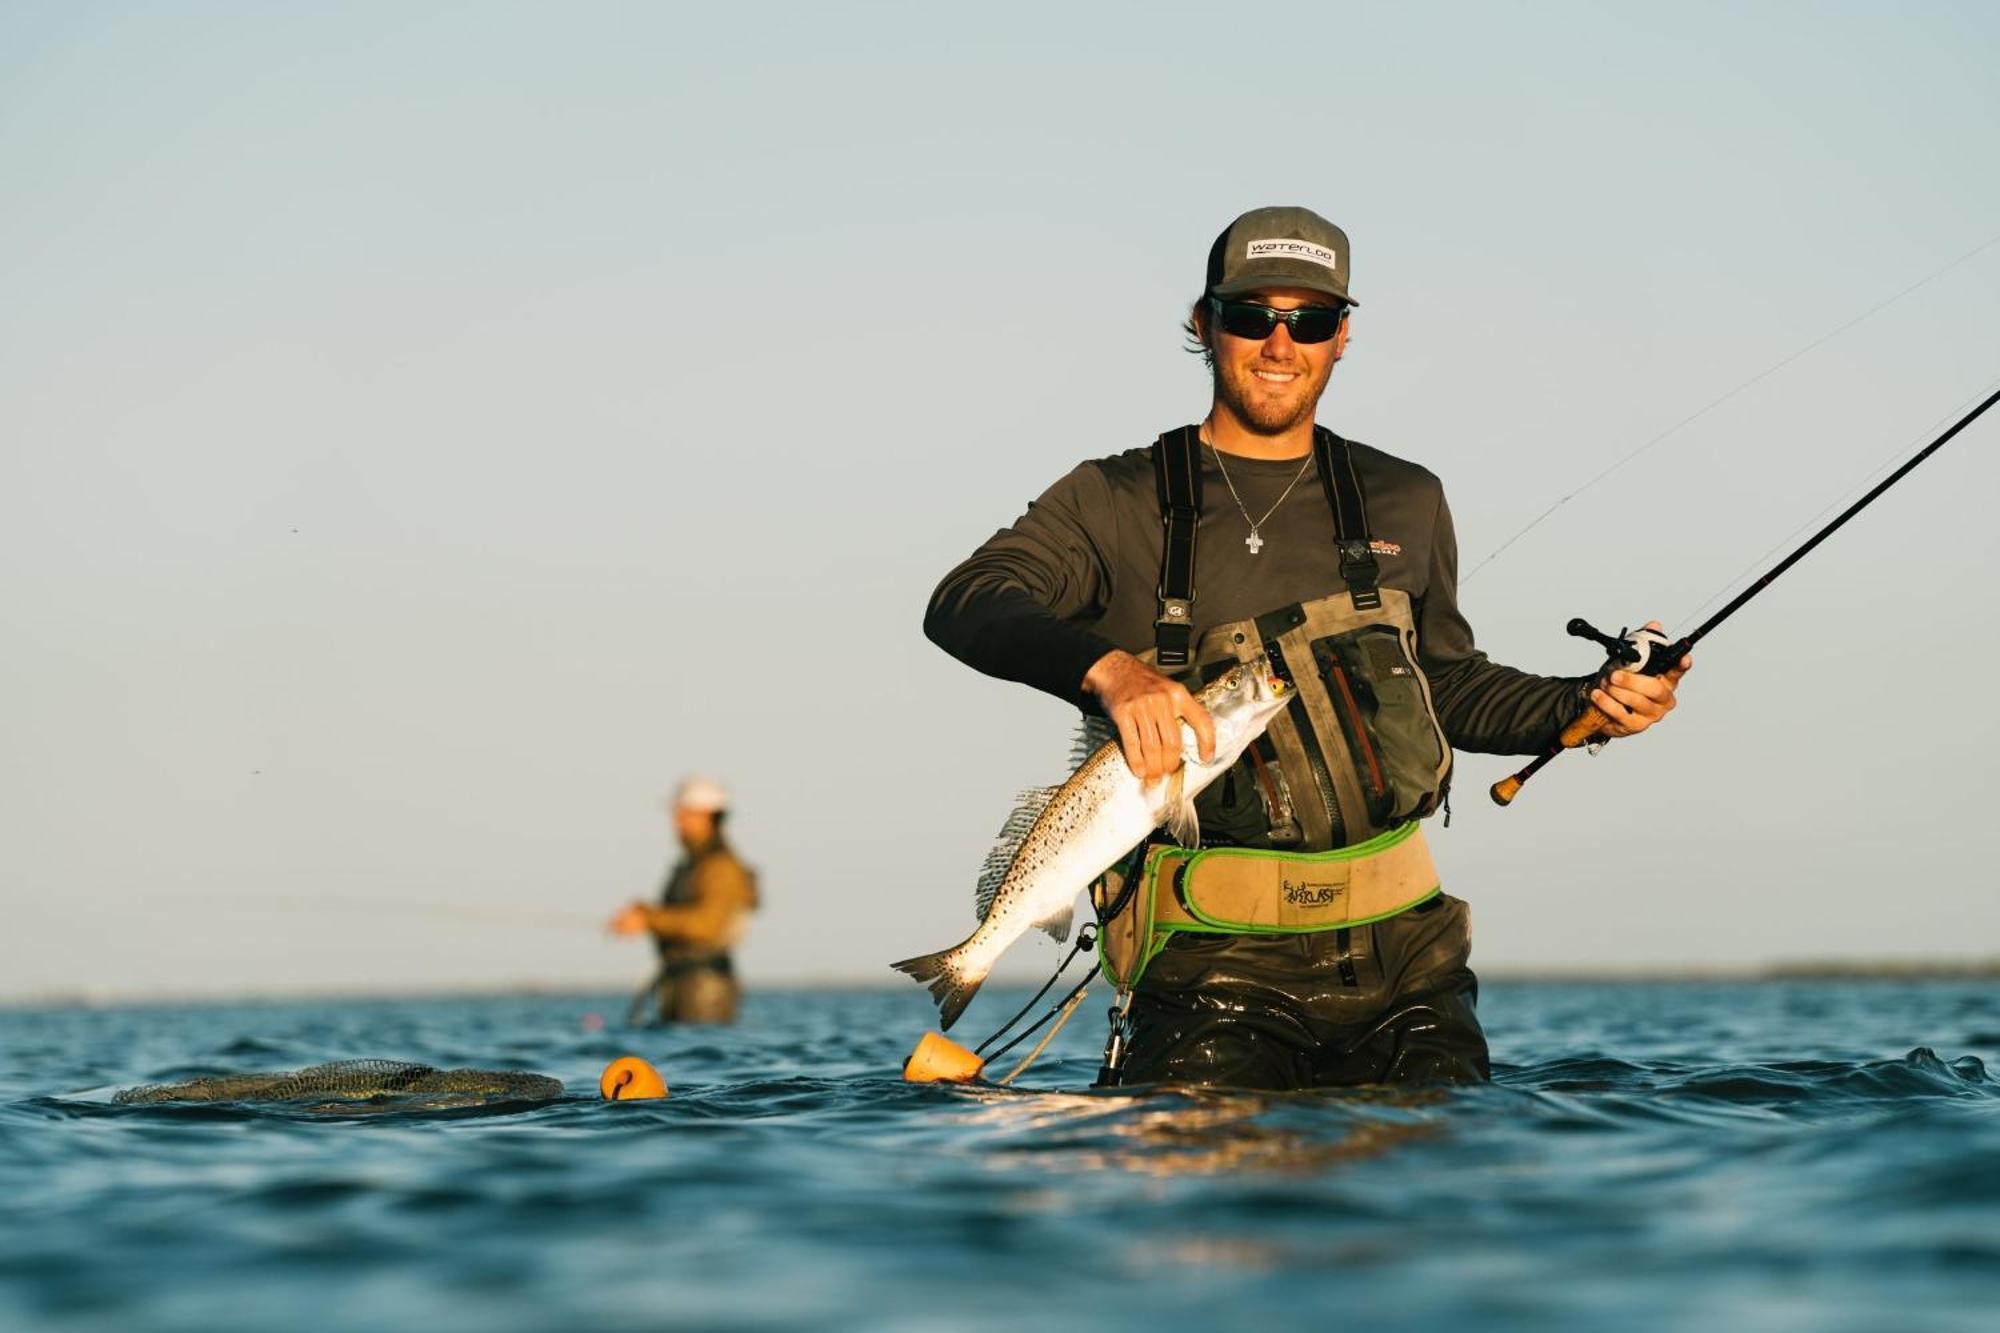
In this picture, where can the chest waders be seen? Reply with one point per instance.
(705, 972)
(1323, 810)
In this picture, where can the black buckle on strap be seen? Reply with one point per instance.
(1350, 518)
(1173, 632)
(1361, 573)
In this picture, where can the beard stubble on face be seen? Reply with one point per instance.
(1268, 409)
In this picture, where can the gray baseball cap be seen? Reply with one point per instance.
(1279, 247)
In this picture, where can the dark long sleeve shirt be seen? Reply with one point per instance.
(1077, 575)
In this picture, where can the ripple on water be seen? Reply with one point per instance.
(1647, 1155)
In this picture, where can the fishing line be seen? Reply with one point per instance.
(1085, 938)
(1650, 652)
(1068, 1008)
(1068, 1001)
(1759, 377)
(1901, 452)
(363, 908)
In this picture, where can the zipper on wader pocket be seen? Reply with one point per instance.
(1309, 738)
(1380, 798)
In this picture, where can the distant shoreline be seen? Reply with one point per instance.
(1987, 969)
(1830, 970)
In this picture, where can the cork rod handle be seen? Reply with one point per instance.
(1585, 729)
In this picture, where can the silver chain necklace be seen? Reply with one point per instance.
(1254, 541)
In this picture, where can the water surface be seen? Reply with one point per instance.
(1779, 1155)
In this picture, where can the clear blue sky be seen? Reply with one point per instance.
(426, 431)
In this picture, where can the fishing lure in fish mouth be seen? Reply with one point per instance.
(1059, 839)
(1648, 652)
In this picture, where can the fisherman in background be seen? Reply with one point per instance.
(702, 914)
(1323, 953)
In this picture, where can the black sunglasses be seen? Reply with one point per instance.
(1247, 319)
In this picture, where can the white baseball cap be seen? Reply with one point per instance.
(704, 795)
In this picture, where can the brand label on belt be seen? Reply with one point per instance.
(1303, 893)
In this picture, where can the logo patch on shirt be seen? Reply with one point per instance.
(1380, 547)
(1306, 250)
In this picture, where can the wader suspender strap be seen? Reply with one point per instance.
(1350, 517)
(1177, 478)
(1177, 475)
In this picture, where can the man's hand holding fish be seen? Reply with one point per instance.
(1148, 709)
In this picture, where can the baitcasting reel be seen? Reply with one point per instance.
(1646, 651)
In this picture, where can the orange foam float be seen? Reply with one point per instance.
(630, 1079)
(939, 1059)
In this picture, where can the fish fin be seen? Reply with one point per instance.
(948, 985)
(1007, 845)
(1190, 745)
(1057, 923)
(1093, 733)
(1182, 821)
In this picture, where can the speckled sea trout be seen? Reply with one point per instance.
(1062, 838)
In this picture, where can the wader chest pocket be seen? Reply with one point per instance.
(1249, 806)
(1384, 706)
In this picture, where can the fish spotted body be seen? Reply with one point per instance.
(1069, 835)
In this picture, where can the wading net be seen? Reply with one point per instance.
(357, 1080)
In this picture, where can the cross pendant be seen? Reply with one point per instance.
(1254, 542)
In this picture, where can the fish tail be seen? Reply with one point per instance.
(950, 984)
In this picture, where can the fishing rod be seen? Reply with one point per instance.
(1650, 653)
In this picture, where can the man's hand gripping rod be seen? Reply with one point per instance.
(1646, 651)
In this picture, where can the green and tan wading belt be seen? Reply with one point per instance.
(1253, 891)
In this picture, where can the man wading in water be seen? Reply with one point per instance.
(703, 911)
(1315, 949)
